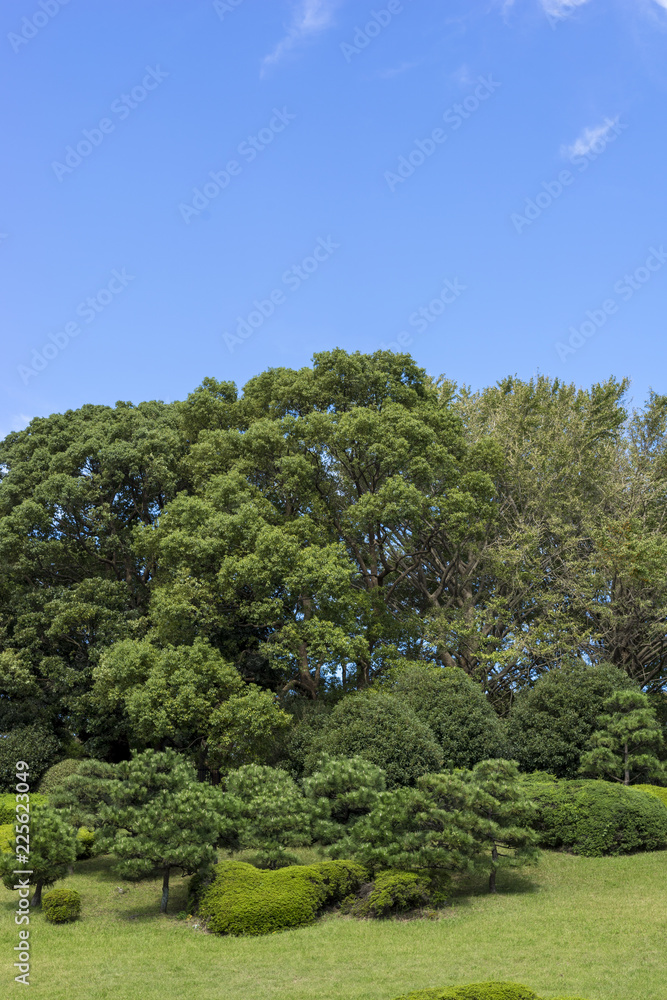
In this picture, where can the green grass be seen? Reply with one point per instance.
(595, 927)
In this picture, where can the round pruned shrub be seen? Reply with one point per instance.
(596, 818)
(380, 729)
(35, 745)
(57, 774)
(85, 843)
(6, 837)
(391, 892)
(244, 900)
(656, 790)
(475, 991)
(61, 906)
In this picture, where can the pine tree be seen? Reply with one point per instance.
(52, 846)
(624, 747)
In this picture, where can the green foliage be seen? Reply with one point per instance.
(189, 695)
(35, 745)
(52, 850)
(81, 796)
(6, 837)
(389, 893)
(596, 818)
(85, 843)
(475, 991)
(456, 710)
(624, 746)
(551, 723)
(378, 728)
(8, 805)
(655, 790)
(341, 790)
(160, 817)
(245, 900)
(270, 811)
(61, 906)
(57, 773)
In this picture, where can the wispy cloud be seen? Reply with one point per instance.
(589, 138)
(387, 74)
(18, 423)
(561, 8)
(310, 17)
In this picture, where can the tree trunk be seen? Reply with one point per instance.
(165, 891)
(37, 895)
(492, 876)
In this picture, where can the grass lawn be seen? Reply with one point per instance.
(593, 927)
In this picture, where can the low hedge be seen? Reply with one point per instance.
(596, 818)
(8, 805)
(243, 899)
(479, 991)
(61, 906)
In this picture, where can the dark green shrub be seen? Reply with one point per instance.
(379, 728)
(37, 746)
(596, 818)
(456, 710)
(242, 899)
(8, 805)
(551, 723)
(57, 774)
(389, 893)
(475, 991)
(61, 906)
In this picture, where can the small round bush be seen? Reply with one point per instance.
(390, 892)
(384, 731)
(37, 746)
(61, 906)
(596, 818)
(85, 843)
(6, 837)
(475, 991)
(655, 790)
(8, 805)
(57, 774)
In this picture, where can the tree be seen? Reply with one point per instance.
(80, 796)
(52, 850)
(342, 790)
(35, 745)
(505, 816)
(160, 817)
(551, 723)
(190, 697)
(382, 730)
(429, 828)
(623, 747)
(455, 709)
(270, 811)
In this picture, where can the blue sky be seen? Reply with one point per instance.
(196, 188)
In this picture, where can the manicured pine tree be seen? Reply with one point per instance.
(342, 790)
(52, 849)
(624, 747)
(272, 812)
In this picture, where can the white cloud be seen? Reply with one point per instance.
(589, 138)
(561, 8)
(310, 17)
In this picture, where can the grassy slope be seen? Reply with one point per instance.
(594, 927)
